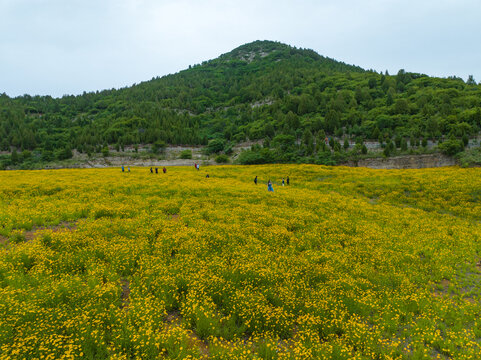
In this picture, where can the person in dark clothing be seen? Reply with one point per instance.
(287, 180)
(283, 182)
(123, 168)
(207, 176)
(151, 170)
(156, 170)
(164, 170)
(255, 180)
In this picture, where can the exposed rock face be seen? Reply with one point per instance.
(406, 162)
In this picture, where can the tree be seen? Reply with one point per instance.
(283, 142)
(14, 157)
(307, 137)
(401, 106)
(346, 144)
(65, 153)
(412, 141)
(471, 80)
(269, 130)
(105, 151)
(47, 155)
(158, 146)
(333, 121)
(451, 147)
(306, 105)
(389, 149)
(390, 96)
(397, 141)
(26, 155)
(215, 146)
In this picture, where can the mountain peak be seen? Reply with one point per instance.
(256, 49)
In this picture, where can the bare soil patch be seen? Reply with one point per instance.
(3, 240)
(68, 226)
(125, 295)
(174, 319)
(444, 284)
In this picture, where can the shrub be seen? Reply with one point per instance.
(105, 151)
(186, 154)
(215, 146)
(250, 157)
(228, 149)
(65, 153)
(451, 147)
(222, 159)
(158, 146)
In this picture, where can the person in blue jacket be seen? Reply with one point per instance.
(269, 186)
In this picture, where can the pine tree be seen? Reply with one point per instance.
(14, 157)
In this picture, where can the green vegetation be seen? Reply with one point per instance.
(186, 154)
(290, 98)
(222, 159)
(470, 157)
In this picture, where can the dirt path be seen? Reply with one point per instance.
(125, 295)
(174, 320)
(30, 235)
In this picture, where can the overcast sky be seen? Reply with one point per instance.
(57, 47)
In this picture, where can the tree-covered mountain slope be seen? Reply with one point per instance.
(291, 98)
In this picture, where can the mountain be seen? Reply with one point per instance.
(291, 98)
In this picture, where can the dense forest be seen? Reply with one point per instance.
(303, 106)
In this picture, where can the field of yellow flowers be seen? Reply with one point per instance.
(343, 263)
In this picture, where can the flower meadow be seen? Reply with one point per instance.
(343, 263)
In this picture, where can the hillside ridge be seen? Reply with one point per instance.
(299, 105)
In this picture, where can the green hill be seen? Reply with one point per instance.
(288, 97)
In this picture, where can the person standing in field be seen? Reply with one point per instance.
(255, 180)
(287, 180)
(123, 168)
(156, 170)
(151, 170)
(164, 170)
(282, 181)
(269, 186)
(128, 168)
